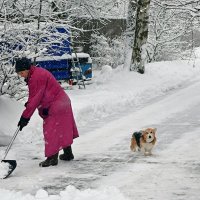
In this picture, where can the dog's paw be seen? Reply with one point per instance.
(133, 150)
(147, 153)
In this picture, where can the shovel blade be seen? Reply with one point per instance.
(12, 166)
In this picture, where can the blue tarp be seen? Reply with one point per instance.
(61, 66)
(61, 69)
(62, 46)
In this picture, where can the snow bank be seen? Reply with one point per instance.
(70, 193)
(115, 90)
(10, 113)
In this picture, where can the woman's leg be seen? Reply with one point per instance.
(68, 155)
(50, 161)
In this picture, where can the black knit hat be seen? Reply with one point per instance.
(22, 64)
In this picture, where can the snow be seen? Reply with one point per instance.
(69, 193)
(107, 112)
(64, 56)
(4, 168)
(10, 113)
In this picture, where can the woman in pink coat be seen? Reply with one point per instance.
(54, 106)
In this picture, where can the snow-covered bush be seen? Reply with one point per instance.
(10, 83)
(105, 51)
(100, 50)
(117, 53)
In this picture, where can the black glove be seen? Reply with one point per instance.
(26, 104)
(23, 122)
(26, 81)
(45, 112)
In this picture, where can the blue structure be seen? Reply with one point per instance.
(62, 66)
(59, 60)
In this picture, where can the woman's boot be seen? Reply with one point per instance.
(68, 155)
(50, 161)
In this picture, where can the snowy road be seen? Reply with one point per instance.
(173, 171)
(103, 156)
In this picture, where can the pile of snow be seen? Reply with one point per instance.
(70, 193)
(4, 168)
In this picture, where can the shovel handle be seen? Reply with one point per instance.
(11, 142)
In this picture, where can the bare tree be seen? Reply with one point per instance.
(166, 30)
(172, 25)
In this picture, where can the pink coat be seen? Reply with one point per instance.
(59, 127)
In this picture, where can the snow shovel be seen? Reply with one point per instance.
(12, 163)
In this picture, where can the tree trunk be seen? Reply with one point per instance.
(130, 32)
(140, 37)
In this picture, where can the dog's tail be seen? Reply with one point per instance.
(132, 146)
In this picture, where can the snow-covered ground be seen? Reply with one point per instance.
(118, 103)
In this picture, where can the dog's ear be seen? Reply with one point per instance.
(143, 132)
(155, 129)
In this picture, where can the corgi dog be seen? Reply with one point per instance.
(144, 141)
